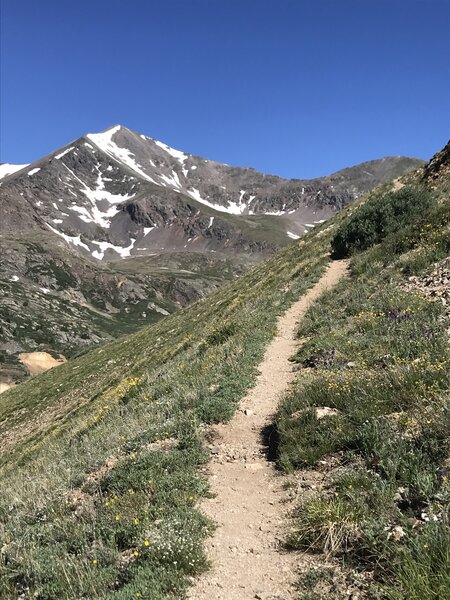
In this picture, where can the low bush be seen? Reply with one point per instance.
(373, 221)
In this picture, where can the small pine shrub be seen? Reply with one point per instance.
(373, 221)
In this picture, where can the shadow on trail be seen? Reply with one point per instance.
(270, 439)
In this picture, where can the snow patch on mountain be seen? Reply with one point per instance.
(172, 181)
(8, 169)
(275, 213)
(180, 156)
(70, 239)
(102, 217)
(58, 156)
(83, 213)
(104, 246)
(233, 208)
(96, 215)
(122, 155)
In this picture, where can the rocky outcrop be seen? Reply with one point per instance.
(439, 165)
(434, 284)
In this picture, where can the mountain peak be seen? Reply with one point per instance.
(120, 193)
(127, 134)
(107, 134)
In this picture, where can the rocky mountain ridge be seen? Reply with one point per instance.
(119, 193)
(115, 230)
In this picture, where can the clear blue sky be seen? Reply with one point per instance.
(292, 87)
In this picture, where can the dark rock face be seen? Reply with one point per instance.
(439, 165)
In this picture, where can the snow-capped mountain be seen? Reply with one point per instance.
(115, 229)
(120, 193)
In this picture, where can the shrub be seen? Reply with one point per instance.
(330, 525)
(423, 571)
(373, 221)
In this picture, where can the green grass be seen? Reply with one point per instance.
(101, 457)
(186, 265)
(102, 454)
(378, 355)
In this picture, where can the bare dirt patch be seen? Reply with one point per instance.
(397, 185)
(248, 503)
(6, 386)
(39, 362)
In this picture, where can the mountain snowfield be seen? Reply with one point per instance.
(119, 193)
(7, 169)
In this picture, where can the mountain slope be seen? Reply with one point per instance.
(56, 301)
(120, 193)
(366, 424)
(73, 222)
(100, 456)
(143, 390)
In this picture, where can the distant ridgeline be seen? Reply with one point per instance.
(114, 230)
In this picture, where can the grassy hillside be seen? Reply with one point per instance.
(375, 355)
(101, 457)
(54, 300)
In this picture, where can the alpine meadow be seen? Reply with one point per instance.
(224, 300)
(103, 457)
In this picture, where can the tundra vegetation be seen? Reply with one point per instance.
(102, 457)
(375, 351)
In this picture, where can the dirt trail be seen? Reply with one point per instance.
(247, 557)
